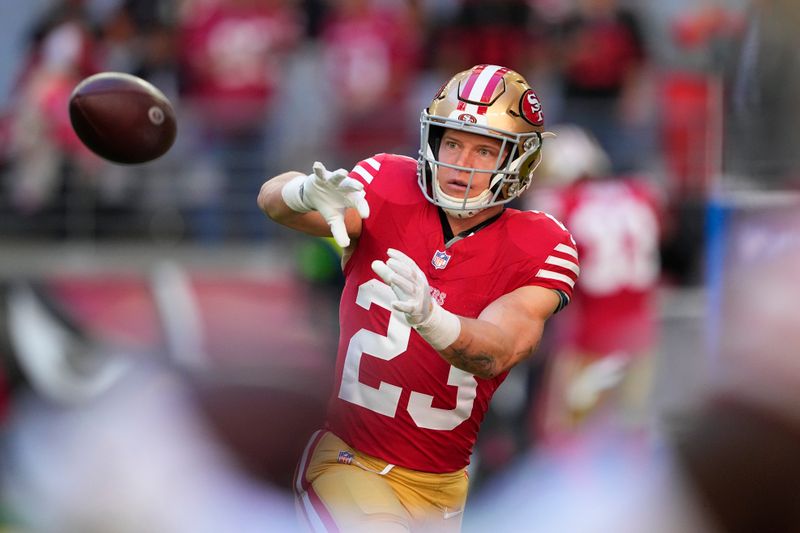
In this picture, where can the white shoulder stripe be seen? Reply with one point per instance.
(374, 163)
(549, 274)
(564, 249)
(558, 222)
(563, 263)
(364, 173)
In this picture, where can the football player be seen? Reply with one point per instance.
(446, 290)
(605, 342)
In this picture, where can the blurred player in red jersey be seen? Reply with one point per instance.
(603, 344)
(445, 291)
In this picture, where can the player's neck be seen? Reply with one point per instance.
(457, 225)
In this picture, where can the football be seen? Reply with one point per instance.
(122, 118)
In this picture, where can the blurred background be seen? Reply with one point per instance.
(165, 351)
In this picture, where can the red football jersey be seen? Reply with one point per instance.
(616, 224)
(395, 397)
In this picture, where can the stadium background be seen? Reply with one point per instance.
(210, 332)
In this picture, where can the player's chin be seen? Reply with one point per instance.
(459, 190)
(454, 189)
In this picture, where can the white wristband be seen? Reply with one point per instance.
(441, 329)
(292, 194)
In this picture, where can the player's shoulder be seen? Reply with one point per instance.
(533, 231)
(371, 167)
(535, 220)
(388, 176)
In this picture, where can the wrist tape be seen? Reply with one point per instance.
(292, 194)
(440, 329)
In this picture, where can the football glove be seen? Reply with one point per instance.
(330, 193)
(436, 325)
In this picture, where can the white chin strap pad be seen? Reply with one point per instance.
(456, 207)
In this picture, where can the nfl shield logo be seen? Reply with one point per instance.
(345, 457)
(440, 259)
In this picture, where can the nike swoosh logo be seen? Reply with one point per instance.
(451, 514)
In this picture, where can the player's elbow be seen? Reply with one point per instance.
(505, 364)
(264, 199)
(270, 201)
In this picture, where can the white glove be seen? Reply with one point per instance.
(329, 193)
(437, 326)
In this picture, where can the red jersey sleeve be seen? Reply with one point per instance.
(552, 253)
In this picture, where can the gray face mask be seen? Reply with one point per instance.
(510, 176)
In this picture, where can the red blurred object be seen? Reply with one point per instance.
(265, 363)
(688, 122)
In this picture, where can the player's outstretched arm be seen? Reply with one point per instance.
(322, 203)
(505, 333)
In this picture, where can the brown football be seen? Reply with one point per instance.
(122, 118)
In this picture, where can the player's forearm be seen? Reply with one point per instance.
(270, 199)
(271, 202)
(484, 349)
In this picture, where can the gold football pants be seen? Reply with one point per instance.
(338, 488)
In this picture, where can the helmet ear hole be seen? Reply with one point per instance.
(523, 168)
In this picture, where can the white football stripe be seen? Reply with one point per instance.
(374, 163)
(563, 248)
(313, 518)
(472, 109)
(314, 521)
(301, 469)
(558, 222)
(569, 265)
(484, 77)
(549, 274)
(364, 173)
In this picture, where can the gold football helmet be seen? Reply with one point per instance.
(488, 100)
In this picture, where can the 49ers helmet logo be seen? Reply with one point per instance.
(466, 117)
(531, 108)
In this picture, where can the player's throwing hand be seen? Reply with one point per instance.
(330, 193)
(437, 326)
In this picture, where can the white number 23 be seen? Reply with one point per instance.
(386, 397)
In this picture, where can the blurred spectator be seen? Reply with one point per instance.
(494, 32)
(607, 337)
(51, 170)
(602, 59)
(441, 40)
(371, 57)
(232, 60)
(691, 129)
(692, 98)
(140, 37)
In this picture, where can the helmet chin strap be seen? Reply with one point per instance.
(458, 208)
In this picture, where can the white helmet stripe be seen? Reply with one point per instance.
(476, 94)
